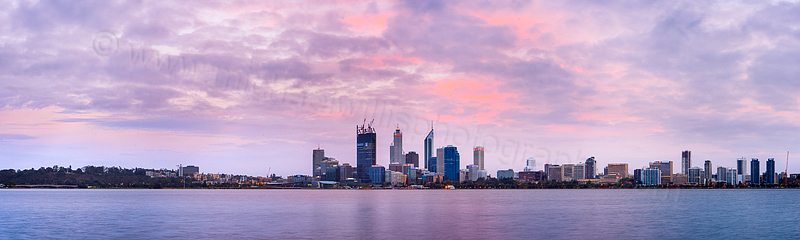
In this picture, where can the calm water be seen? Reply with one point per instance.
(399, 214)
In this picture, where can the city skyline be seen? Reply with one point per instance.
(253, 86)
(589, 164)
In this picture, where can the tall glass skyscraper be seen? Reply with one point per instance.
(741, 166)
(686, 160)
(707, 170)
(769, 175)
(755, 172)
(452, 162)
(377, 174)
(428, 154)
(365, 150)
(319, 155)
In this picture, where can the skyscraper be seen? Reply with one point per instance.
(439, 161)
(722, 174)
(329, 170)
(769, 175)
(546, 169)
(591, 168)
(477, 157)
(686, 159)
(377, 174)
(694, 175)
(397, 147)
(755, 172)
(741, 166)
(732, 177)
(452, 162)
(345, 172)
(412, 158)
(707, 170)
(365, 150)
(319, 155)
(428, 154)
(433, 165)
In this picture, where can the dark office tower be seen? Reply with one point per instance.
(412, 158)
(546, 169)
(396, 149)
(429, 151)
(686, 159)
(319, 155)
(769, 175)
(707, 171)
(329, 170)
(345, 172)
(452, 162)
(591, 168)
(637, 176)
(190, 170)
(365, 150)
(755, 172)
(433, 164)
(741, 166)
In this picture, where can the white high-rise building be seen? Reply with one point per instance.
(732, 176)
(473, 172)
(531, 165)
(396, 149)
(477, 158)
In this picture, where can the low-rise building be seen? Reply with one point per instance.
(505, 173)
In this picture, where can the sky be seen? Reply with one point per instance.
(251, 87)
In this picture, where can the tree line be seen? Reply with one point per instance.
(94, 176)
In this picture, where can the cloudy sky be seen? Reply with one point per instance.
(242, 87)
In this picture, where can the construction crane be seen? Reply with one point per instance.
(787, 170)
